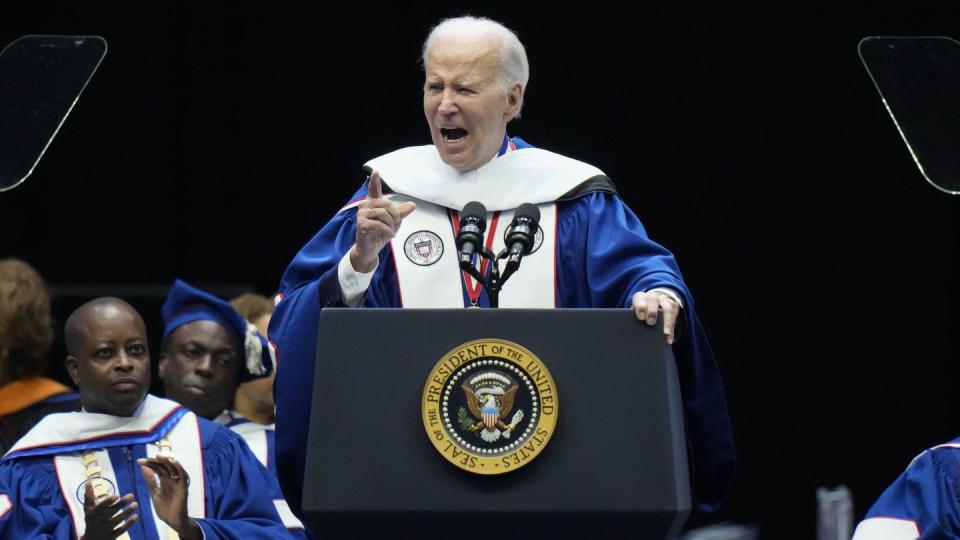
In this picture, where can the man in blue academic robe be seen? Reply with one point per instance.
(130, 465)
(924, 502)
(393, 244)
(207, 350)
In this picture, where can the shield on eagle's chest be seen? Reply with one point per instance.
(424, 248)
(490, 416)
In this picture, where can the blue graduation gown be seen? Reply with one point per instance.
(924, 502)
(604, 256)
(260, 438)
(239, 494)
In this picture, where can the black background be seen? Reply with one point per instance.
(216, 139)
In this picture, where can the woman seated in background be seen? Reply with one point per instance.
(26, 333)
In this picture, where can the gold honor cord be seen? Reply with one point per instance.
(95, 476)
(165, 449)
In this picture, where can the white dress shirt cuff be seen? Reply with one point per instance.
(669, 292)
(353, 284)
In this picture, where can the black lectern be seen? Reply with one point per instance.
(616, 465)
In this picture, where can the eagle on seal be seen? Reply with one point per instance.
(490, 406)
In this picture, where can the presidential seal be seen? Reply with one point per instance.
(423, 248)
(489, 406)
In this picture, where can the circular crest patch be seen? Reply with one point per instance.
(489, 406)
(104, 482)
(423, 248)
(537, 239)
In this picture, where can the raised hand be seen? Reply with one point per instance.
(108, 518)
(168, 483)
(378, 220)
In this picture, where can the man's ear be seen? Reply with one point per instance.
(514, 100)
(73, 368)
(161, 365)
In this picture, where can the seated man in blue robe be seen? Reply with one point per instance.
(207, 350)
(924, 502)
(131, 465)
(393, 244)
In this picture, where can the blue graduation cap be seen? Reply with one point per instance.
(186, 303)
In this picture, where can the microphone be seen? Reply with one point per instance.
(473, 223)
(522, 231)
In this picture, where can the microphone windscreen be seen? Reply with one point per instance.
(476, 210)
(528, 210)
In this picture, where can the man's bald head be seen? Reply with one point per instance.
(107, 356)
(75, 330)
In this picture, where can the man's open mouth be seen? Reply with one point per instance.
(453, 135)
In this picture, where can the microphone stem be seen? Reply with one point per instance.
(493, 288)
(492, 285)
(472, 270)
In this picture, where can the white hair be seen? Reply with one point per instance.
(514, 67)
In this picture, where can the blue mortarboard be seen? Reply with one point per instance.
(186, 303)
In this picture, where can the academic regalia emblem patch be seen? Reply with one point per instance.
(104, 485)
(489, 406)
(423, 248)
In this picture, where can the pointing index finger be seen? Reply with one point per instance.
(89, 500)
(374, 190)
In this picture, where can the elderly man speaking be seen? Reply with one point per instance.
(393, 245)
